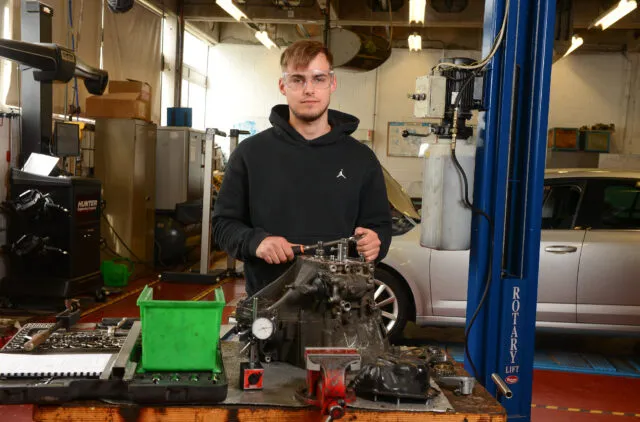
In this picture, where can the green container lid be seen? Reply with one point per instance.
(180, 335)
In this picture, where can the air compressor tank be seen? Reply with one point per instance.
(446, 220)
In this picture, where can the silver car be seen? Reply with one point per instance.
(589, 259)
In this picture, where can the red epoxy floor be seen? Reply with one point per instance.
(617, 398)
(587, 392)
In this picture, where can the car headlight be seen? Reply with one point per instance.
(400, 224)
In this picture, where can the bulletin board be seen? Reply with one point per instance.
(398, 146)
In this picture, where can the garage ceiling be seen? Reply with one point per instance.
(448, 23)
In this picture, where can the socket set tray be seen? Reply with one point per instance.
(120, 380)
(61, 341)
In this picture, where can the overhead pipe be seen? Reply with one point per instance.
(177, 96)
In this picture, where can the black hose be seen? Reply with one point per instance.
(124, 244)
(488, 277)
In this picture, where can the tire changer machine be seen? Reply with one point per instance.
(53, 231)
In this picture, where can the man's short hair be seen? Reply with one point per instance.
(301, 53)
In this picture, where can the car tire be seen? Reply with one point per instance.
(389, 286)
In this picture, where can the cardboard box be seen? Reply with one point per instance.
(143, 89)
(126, 105)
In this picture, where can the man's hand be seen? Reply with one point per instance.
(369, 244)
(275, 250)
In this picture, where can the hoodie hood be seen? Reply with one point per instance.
(342, 124)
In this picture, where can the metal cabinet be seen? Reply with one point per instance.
(125, 152)
(179, 166)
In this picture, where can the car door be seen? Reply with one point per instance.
(561, 245)
(560, 250)
(609, 283)
(449, 274)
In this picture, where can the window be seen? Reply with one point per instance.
(194, 79)
(168, 62)
(621, 207)
(196, 53)
(559, 207)
(5, 65)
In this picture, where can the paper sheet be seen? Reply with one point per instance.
(50, 365)
(40, 164)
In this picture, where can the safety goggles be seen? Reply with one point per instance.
(298, 80)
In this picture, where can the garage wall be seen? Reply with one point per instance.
(585, 89)
(397, 78)
(598, 88)
(632, 128)
(142, 29)
(243, 86)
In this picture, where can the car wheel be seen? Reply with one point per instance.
(392, 298)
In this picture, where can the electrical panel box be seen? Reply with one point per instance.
(434, 89)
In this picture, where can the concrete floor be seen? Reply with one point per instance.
(557, 396)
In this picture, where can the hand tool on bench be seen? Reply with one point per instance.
(65, 319)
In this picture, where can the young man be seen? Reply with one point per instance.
(302, 181)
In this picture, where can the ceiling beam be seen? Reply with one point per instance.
(356, 13)
(333, 14)
(351, 13)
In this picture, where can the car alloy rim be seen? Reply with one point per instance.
(386, 301)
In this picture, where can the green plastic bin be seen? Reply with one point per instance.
(116, 272)
(180, 335)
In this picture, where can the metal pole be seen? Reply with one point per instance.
(205, 242)
(177, 83)
(509, 180)
(36, 97)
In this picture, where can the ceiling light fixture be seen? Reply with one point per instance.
(265, 40)
(415, 42)
(613, 15)
(575, 43)
(231, 9)
(416, 10)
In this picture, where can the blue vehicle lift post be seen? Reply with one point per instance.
(509, 183)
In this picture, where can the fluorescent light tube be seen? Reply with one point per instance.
(231, 9)
(415, 42)
(264, 39)
(416, 10)
(623, 8)
(575, 43)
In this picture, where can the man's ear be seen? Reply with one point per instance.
(281, 87)
(334, 83)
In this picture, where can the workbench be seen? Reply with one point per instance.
(274, 404)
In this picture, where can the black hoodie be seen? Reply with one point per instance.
(277, 183)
